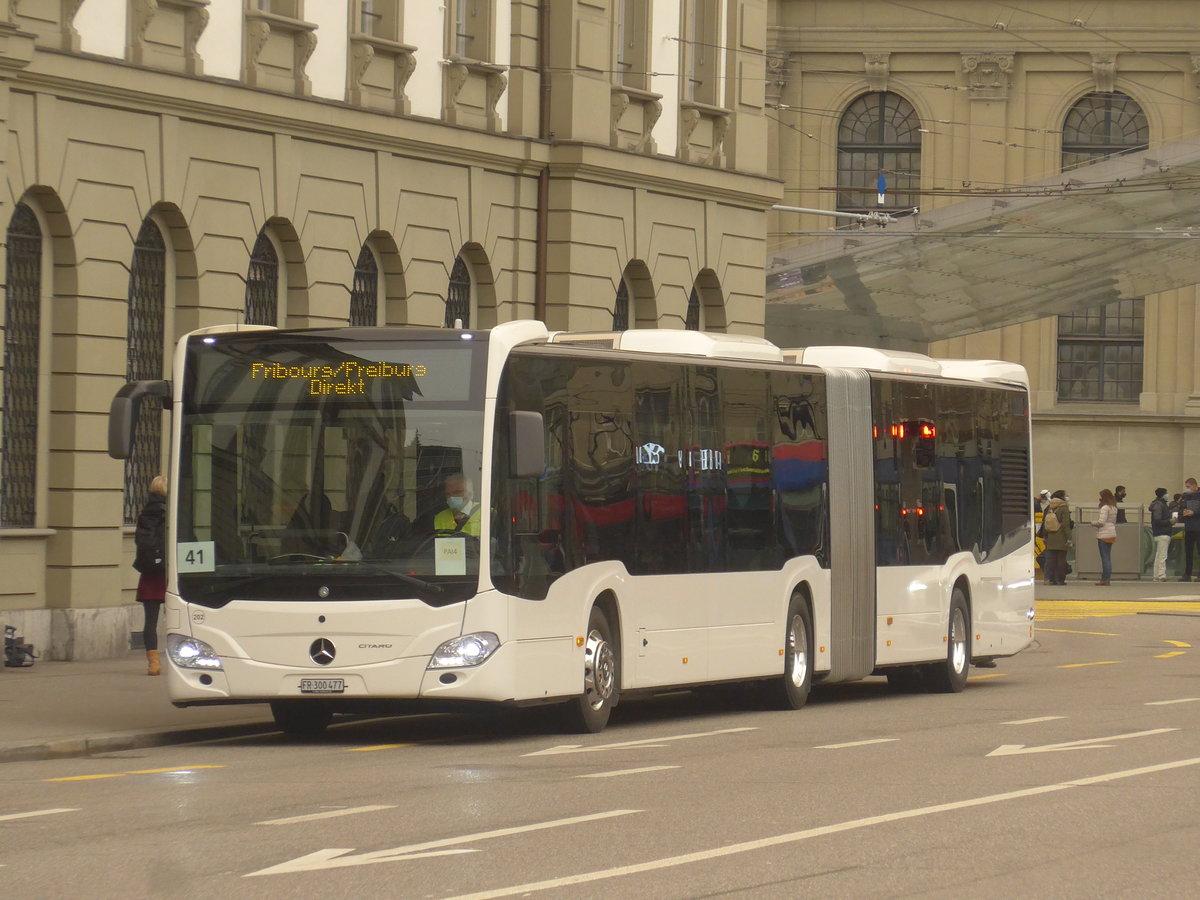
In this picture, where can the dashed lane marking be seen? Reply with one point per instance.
(1033, 721)
(1169, 702)
(36, 812)
(1072, 631)
(855, 744)
(986, 675)
(1169, 654)
(626, 772)
(1106, 662)
(177, 769)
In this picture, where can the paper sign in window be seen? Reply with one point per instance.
(450, 556)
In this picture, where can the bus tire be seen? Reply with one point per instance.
(950, 675)
(791, 691)
(588, 713)
(297, 718)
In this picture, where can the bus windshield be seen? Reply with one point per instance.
(315, 467)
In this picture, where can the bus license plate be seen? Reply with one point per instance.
(322, 685)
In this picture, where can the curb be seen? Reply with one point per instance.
(66, 748)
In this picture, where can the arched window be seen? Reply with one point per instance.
(364, 296)
(879, 134)
(621, 308)
(144, 360)
(22, 337)
(458, 295)
(1101, 125)
(1100, 349)
(262, 283)
(692, 321)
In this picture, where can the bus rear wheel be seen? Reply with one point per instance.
(589, 712)
(297, 718)
(791, 691)
(950, 675)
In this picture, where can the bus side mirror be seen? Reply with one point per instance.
(123, 414)
(527, 444)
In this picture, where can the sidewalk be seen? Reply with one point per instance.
(57, 709)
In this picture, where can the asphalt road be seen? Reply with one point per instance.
(1072, 770)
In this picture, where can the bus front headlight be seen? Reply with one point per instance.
(465, 650)
(189, 653)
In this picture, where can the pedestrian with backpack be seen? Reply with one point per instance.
(1058, 529)
(1160, 530)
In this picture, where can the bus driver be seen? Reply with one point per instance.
(462, 512)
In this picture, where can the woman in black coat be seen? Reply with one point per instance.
(150, 538)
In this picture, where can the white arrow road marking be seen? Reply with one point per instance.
(651, 743)
(330, 814)
(36, 812)
(335, 858)
(1086, 744)
(779, 840)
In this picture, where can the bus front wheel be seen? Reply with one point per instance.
(950, 675)
(791, 691)
(589, 712)
(297, 718)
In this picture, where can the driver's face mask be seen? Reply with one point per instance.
(456, 503)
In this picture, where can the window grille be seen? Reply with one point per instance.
(22, 332)
(692, 321)
(621, 308)
(458, 295)
(878, 134)
(1102, 125)
(1100, 353)
(262, 284)
(144, 360)
(364, 296)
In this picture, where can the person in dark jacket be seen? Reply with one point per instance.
(1189, 515)
(150, 539)
(1160, 530)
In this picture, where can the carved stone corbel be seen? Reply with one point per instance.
(456, 77)
(257, 33)
(720, 129)
(689, 118)
(306, 43)
(877, 68)
(987, 75)
(141, 12)
(1104, 70)
(618, 103)
(406, 64)
(651, 115)
(497, 83)
(195, 20)
(361, 56)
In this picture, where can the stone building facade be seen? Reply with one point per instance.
(173, 164)
(955, 99)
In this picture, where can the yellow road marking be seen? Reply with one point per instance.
(1169, 654)
(134, 772)
(988, 675)
(1177, 643)
(1059, 610)
(1070, 631)
(1107, 662)
(377, 747)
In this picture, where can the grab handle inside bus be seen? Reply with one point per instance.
(123, 414)
(527, 442)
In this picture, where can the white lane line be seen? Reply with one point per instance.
(1033, 721)
(36, 812)
(644, 743)
(1169, 702)
(331, 814)
(626, 772)
(796, 836)
(855, 743)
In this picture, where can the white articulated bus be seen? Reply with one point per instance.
(639, 511)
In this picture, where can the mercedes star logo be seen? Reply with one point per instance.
(322, 651)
